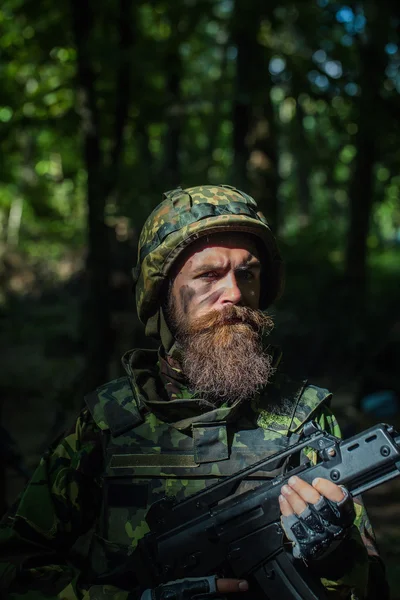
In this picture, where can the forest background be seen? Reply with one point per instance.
(104, 106)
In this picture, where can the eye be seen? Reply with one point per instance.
(246, 275)
(208, 275)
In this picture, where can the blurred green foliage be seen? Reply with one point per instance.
(103, 106)
(314, 73)
(205, 91)
(182, 79)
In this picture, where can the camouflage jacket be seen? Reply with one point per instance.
(74, 522)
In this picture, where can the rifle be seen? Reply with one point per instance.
(216, 531)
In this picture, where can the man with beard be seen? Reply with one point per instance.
(214, 316)
(212, 400)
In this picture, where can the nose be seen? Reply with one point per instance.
(232, 293)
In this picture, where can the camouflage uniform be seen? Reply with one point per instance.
(145, 436)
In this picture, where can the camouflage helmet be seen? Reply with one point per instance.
(183, 217)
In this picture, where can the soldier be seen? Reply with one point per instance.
(211, 400)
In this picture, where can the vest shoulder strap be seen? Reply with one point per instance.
(303, 399)
(309, 400)
(114, 406)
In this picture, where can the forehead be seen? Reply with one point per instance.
(218, 245)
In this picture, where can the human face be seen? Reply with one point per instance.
(214, 314)
(216, 272)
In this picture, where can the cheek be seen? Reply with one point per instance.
(186, 294)
(208, 298)
(252, 295)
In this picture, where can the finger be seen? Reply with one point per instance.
(227, 586)
(328, 489)
(306, 491)
(296, 502)
(285, 507)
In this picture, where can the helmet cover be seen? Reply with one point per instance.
(184, 216)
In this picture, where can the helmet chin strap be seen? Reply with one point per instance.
(157, 327)
(152, 327)
(167, 339)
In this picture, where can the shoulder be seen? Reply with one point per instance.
(311, 401)
(327, 421)
(65, 486)
(315, 405)
(288, 403)
(115, 406)
(78, 448)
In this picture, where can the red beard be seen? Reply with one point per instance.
(223, 357)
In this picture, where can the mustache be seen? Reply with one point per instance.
(229, 316)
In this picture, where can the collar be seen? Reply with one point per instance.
(162, 389)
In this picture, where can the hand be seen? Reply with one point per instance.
(297, 494)
(314, 516)
(228, 586)
(195, 588)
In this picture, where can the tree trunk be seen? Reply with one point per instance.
(14, 220)
(96, 306)
(263, 162)
(27, 179)
(102, 179)
(302, 167)
(173, 134)
(3, 473)
(123, 88)
(361, 199)
(254, 135)
(372, 72)
(243, 38)
(218, 100)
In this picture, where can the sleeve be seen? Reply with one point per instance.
(42, 535)
(355, 570)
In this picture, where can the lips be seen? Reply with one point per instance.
(233, 319)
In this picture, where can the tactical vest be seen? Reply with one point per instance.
(147, 458)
